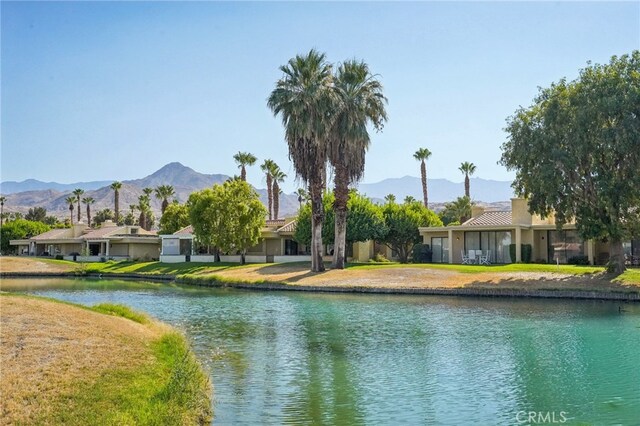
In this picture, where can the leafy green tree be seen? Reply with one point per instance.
(116, 186)
(364, 221)
(359, 101)
(19, 229)
(303, 98)
(164, 192)
(244, 159)
(229, 217)
(36, 214)
(87, 202)
(175, 217)
(467, 169)
(71, 201)
(575, 152)
(422, 155)
(456, 211)
(402, 222)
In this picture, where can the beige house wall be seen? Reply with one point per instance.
(274, 246)
(363, 251)
(456, 242)
(138, 251)
(540, 248)
(118, 249)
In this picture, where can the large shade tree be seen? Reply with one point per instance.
(467, 170)
(244, 159)
(359, 102)
(576, 153)
(303, 100)
(174, 218)
(422, 155)
(116, 186)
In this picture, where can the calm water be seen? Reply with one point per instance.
(357, 359)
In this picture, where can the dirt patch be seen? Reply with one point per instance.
(18, 264)
(46, 347)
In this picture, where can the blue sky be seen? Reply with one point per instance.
(94, 91)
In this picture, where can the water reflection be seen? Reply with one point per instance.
(358, 359)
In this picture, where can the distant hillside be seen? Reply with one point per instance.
(440, 190)
(11, 187)
(184, 180)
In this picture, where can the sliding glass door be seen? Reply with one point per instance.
(496, 242)
(440, 249)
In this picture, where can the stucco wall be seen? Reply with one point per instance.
(139, 251)
(118, 250)
(274, 247)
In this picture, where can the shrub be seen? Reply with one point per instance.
(578, 260)
(59, 257)
(380, 258)
(527, 250)
(512, 252)
(422, 253)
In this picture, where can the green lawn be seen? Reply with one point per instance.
(475, 269)
(157, 267)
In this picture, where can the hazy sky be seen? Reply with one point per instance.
(94, 91)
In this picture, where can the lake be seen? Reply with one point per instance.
(312, 358)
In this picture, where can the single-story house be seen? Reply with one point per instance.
(80, 242)
(276, 245)
(495, 231)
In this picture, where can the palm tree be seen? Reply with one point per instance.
(303, 196)
(390, 198)
(164, 192)
(71, 200)
(409, 199)
(359, 102)
(116, 200)
(303, 99)
(2, 200)
(244, 159)
(78, 193)
(423, 155)
(88, 201)
(144, 205)
(467, 169)
(268, 168)
(277, 177)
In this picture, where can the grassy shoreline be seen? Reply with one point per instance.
(105, 364)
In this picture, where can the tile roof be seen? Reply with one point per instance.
(187, 230)
(275, 222)
(111, 231)
(490, 219)
(289, 227)
(55, 234)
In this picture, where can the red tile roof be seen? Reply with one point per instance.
(289, 227)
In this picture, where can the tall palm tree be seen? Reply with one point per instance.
(88, 201)
(390, 198)
(423, 155)
(78, 193)
(71, 200)
(164, 192)
(144, 205)
(277, 177)
(409, 199)
(2, 200)
(359, 102)
(303, 99)
(268, 168)
(244, 159)
(303, 196)
(467, 169)
(116, 186)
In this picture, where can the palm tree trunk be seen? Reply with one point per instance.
(88, 215)
(423, 172)
(341, 190)
(79, 211)
(142, 220)
(243, 173)
(71, 214)
(165, 204)
(616, 259)
(116, 202)
(466, 185)
(270, 196)
(317, 217)
(275, 193)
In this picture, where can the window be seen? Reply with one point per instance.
(563, 245)
(496, 242)
(440, 249)
(290, 248)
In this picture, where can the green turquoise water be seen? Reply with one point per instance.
(302, 358)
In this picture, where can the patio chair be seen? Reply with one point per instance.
(485, 258)
(465, 258)
(472, 256)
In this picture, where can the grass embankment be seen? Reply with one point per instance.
(68, 364)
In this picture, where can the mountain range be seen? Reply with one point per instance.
(51, 195)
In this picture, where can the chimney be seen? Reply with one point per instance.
(79, 228)
(520, 212)
(108, 223)
(476, 211)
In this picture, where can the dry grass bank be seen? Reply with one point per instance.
(63, 364)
